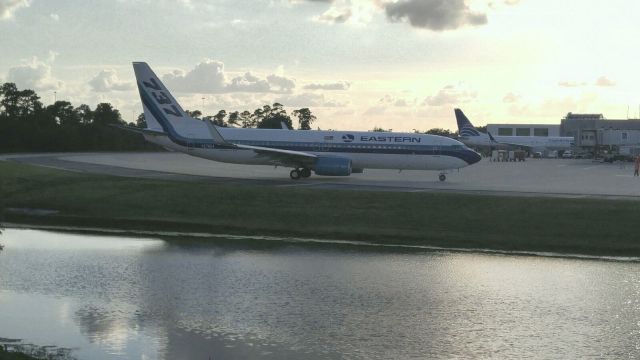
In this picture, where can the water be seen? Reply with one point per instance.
(126, 298)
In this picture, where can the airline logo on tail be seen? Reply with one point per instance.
(465, 128)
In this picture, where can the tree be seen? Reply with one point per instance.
(141, 122)
(105, 114)
(9, 101)
(64, 113)
(305, 118)
(194, 114)
(85, 113)
(273, 117)
(218, 119)
(379, 129)
(439, 131)
(234, 118)
(18, 103)
(247, 119)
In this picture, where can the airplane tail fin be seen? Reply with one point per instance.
(161, 110)
(465, 127)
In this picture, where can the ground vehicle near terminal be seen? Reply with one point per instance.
(507, 156)
(329, 153)
(568, 154)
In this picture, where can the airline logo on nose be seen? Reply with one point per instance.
(347, 138)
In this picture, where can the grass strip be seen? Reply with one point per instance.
(578, 226)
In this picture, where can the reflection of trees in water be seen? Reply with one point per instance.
(1, 219)
(36, 351)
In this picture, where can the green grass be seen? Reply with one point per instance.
(4, 355)
(586, 226)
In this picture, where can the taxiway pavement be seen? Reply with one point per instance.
(534, 177)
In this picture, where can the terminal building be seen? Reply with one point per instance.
(591, 132)
(524, 130)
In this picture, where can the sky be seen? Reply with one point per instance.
(357, 64)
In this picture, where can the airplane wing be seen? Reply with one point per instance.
(138, 130)
(279, 157)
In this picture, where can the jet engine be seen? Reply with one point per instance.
(333, 166)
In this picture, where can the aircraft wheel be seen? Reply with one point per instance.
(295, 174)
(305, 172)
(442, 177)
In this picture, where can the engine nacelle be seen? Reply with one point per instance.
(333, 166)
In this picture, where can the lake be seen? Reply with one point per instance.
(114, 297)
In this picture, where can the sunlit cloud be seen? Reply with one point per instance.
(35, 74)
(605, 82)
(107, 80)
(209, 77)
(450, 95)
(9, 7)
(343, 85)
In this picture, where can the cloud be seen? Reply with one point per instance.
(308, 100)
(450, 95)
(494, 5)
(107, 80)
(389, 100)
(335, 16)
(247, 83)
(281, 83)
(436, 15)
(556, 107)
(8, 7)
(35, 74)
(342, 85)
(209, 77)
(605, 82)
(375, 111)
(510, 98)
(54, 17)
(571, 84)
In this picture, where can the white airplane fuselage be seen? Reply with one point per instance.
(372, 150)
(536, 143)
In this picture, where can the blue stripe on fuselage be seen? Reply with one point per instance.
(469, 156)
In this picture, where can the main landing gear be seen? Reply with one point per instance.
(442, 177)
(296, 174)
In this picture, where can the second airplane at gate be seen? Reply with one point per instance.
(329, 153)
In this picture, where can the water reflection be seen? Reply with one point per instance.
(112, 297)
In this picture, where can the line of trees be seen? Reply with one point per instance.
(26, 125)
(267, 117)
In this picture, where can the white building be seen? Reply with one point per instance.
(543, 130)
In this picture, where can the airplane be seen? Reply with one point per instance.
(327, 153)
(470, 136)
